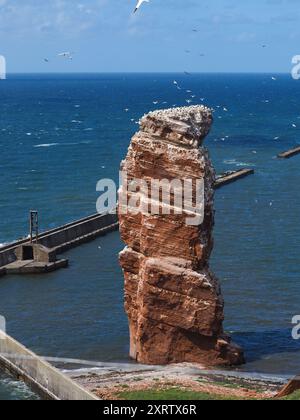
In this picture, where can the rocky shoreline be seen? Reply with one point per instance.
(114, 381)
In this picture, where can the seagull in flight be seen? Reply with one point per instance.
(66, 55)
(139, 3)
(176, 84)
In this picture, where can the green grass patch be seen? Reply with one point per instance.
(293, 397)
(230, 384)
(171, 394)
(224, 384)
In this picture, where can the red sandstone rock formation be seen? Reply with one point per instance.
(173, 300)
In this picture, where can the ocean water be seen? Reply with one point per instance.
(12, 390)
(60, 134)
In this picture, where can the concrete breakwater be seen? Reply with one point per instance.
(231, 177)
(43, 378)
(73, 234)
(64, 237)
(289, 153)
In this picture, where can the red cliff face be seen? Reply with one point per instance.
(173, 300)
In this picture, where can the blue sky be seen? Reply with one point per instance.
(105, 35)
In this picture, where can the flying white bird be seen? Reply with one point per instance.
(139, 3)
(177, 85)
(66, 55)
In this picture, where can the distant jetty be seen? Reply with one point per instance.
(233, 176)
(290, 153)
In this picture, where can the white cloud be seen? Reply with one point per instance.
(23, 17)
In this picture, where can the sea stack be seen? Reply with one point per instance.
(172, 299)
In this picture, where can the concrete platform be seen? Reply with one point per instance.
(33, 267)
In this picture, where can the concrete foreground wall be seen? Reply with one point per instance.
(68, 236)
(43, 378)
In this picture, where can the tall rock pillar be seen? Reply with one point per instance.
(172, 299)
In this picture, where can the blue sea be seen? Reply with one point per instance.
(60, 134)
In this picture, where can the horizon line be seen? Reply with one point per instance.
(149, 72)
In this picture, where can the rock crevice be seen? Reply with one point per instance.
(172, 299)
